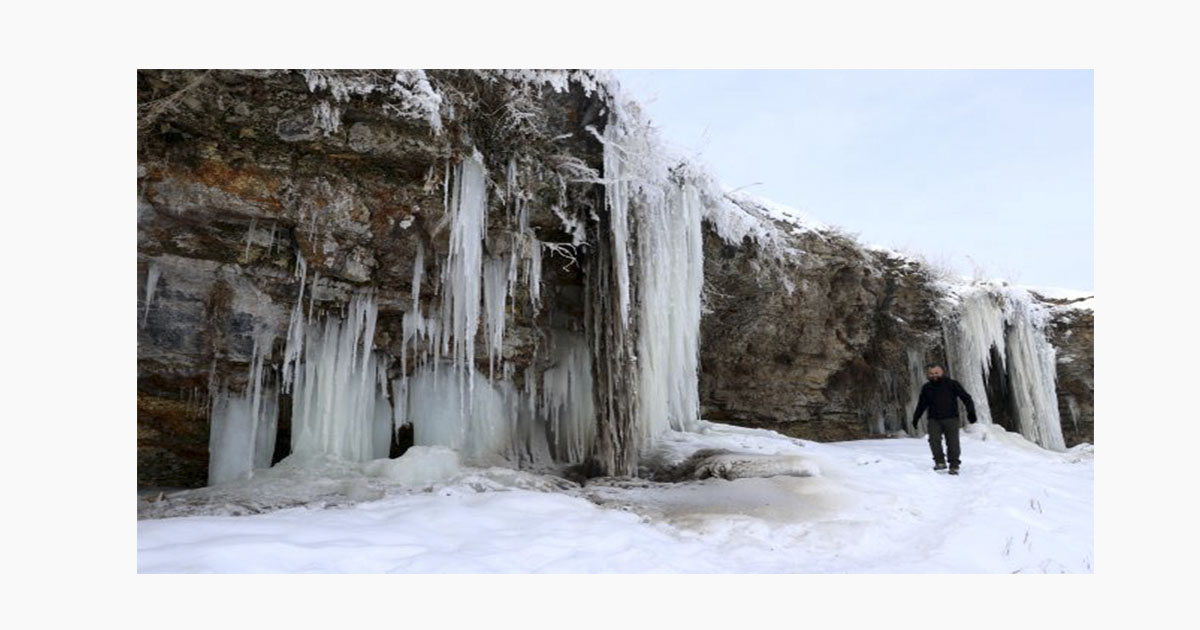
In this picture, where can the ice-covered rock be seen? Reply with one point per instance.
(743, 465)
(420, 466)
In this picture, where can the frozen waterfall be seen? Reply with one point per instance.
(634, 358)
(339, 404)
(999, 322)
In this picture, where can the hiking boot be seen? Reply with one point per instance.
(954, 470)
(939, 466)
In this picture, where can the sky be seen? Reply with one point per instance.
(986, 172)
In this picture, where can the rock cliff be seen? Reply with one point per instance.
(245, 178)
(278, 210)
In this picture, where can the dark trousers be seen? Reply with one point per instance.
(949, 428)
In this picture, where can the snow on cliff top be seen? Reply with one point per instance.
(800, 221)
(1072, 299)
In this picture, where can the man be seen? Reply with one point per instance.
(940, 396)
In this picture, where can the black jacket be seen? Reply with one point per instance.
(939, 397)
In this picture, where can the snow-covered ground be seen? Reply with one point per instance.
(860, 507)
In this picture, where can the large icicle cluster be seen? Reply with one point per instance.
(1008, 320)
(651, 245)
(463, 274)
(652, 249)
(600, 394)
(339, 390)
(461, 410)
(660, 202)
(446, 400)
(671, 270)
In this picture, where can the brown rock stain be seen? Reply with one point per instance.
(248, 182)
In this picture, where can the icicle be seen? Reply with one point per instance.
(242, 427)
(916, 379)
(413, 323)
(463, 271)
(446, 189)
(1073, 408)
(152, 276)
(335, 394)
(533, 275)
(567, 398)
(296, 325)
(381, 442)
(249, 237)
(312, 293)
(400, 408)
(418, 275)
(476, 424)
(495, 290)
(671, 268)
(531, 425)
(616, 194)
(367, 312)
(1032, 372)
(1005, 319)
(312, 226)
(511, 193)
(969, 341)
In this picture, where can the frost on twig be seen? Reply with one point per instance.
(149, 112)
(565, 250)
(407, 94)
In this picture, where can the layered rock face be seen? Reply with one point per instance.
(1072, 331)
(830, 342)
(822, 346)
(271, 198)
(254, 187)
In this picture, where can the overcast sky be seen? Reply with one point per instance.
(989, 169)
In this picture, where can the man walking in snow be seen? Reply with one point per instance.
(940, 396)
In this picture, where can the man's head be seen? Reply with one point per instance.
(934, 372)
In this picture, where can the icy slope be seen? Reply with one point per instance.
(862, 507)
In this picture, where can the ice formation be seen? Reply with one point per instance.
(295, 333)
(1032, 375)
(616, 193)
(343, 404)
(732, 465)
(419, 466)
(407, 93)
(663, 202)
(567, 398)
(671, 277)
(603, 393)
(496, 283)
(472, 417)
(462, 275)
(339, 387)
(445, 399)
(242, 432)
(916, 380)
(152, 276)
(1007, 320)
